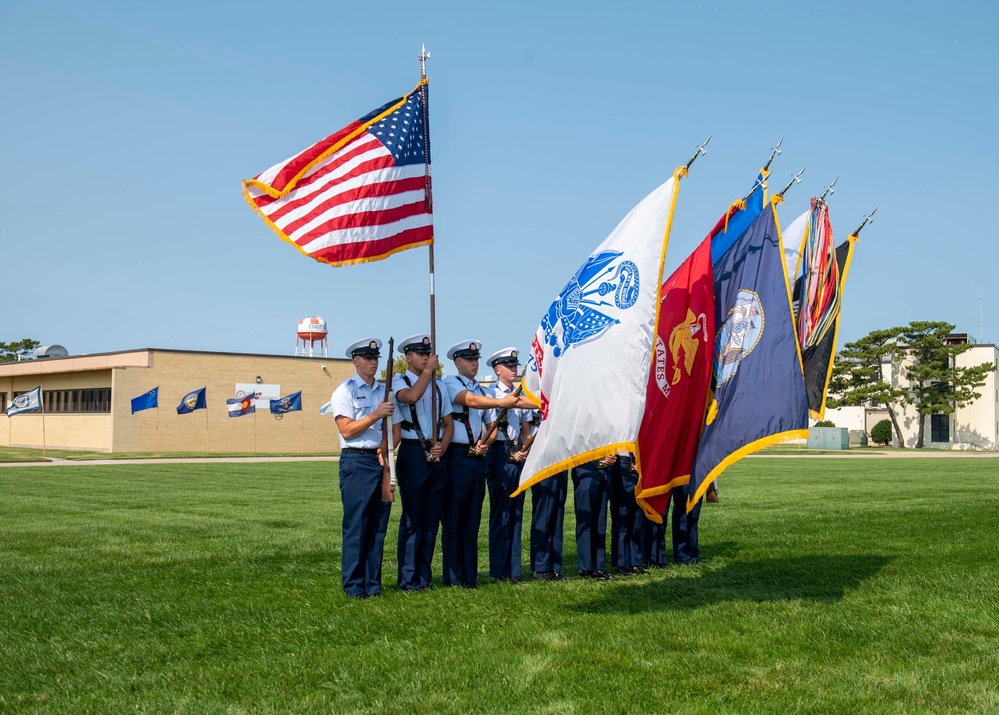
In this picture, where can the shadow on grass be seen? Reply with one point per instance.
(821, 578)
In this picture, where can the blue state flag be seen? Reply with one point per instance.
(148, 401)
(192, 401)
(327, 408)
(26, 402)
(759, 386)
(291, 403)
(734, 223)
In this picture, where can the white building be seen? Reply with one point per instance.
(975, 426)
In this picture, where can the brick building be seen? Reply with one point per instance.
(87, 400)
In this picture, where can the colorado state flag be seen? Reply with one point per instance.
(759, 387)
(240, 406)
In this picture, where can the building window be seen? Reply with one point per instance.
(3, 401)
(96, 400)
(940, 428)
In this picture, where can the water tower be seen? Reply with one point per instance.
(311, 331)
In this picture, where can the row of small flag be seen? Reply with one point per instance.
(237, 407)
(31, 401)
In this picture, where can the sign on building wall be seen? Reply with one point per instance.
(262, 394)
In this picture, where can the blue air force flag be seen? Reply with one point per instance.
(192, 401)
(148, 401)
(291, 403)
(759, 388)
(591, 355)
(26, 402)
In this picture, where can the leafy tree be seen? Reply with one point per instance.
(920, 353)
(937, 386)
(858, 376)
(14, 351)
(825, 423)
(881, 433)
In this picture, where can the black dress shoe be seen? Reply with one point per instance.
(544, 575)
(557, 576)
(586, 574)
(469, 585)
(601, 575)
(637, 571)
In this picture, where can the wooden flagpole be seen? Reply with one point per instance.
(156, 448)
(254, 430)
(303, 431)
(429, 201)
(41, 401)
(206, 430)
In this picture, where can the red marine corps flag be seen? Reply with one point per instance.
(678, 382)
(361, 194)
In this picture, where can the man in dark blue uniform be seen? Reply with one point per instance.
(359, 406)
(466, 466)
(421, 474)
(591, 488)
(506, 459)
(547, 515)
(626, 518)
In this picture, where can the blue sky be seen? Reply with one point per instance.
(127, 128)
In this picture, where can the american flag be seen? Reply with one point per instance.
(361, 194)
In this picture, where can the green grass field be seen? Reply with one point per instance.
(829, 585)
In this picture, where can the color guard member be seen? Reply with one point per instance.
(421, 474)
(506, 458)
(359, 406)
(591, 492)
(626, 518)
(466, 466)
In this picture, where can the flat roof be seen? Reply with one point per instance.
(139, 357)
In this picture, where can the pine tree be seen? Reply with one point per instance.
(14, 351)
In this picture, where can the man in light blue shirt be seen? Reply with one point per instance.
(421, 474)
(359, 406)
(466, 466)
(506, 459)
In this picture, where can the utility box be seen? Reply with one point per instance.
(829, 438)
(858, 438)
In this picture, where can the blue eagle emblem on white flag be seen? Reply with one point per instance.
(591, 391)
(577, 316)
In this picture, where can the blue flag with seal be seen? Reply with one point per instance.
(291, 403)
(192, 401)
(30, 401)
(148, 401)
(759, 387)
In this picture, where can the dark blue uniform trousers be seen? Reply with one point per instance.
(626, 516)
(463, 496)
(365, 519)
(684, 527)
(547, 518)
(653, 543)
(421, 486)
(505, 514)
(591, 486)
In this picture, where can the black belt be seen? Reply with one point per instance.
(359, 450)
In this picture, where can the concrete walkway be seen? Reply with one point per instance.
(900, 454)
(177, 460)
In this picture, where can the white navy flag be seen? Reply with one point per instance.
(591, 355)
(26, 402)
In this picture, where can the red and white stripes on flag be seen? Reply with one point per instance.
(361, 194)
